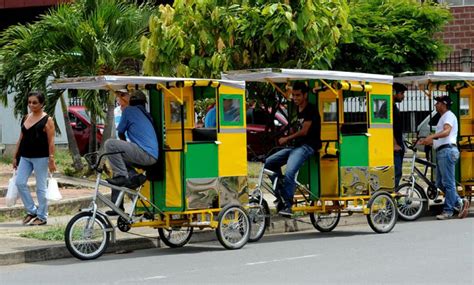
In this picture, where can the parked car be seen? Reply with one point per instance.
(81, 126)
(260, 140)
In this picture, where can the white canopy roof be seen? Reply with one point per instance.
(434, 76)
(114, 82)
(282, 75)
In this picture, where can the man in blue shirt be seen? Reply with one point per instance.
(142, 147)
(210, 118)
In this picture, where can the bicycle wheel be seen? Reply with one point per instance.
(382, 215)
(176, 236)
(325, 222)
(411, 208)
(259, 216)
(233, 230)
(86, 238)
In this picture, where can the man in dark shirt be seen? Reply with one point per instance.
(398, 145)
(307, 140)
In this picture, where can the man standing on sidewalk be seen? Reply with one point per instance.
(447, 153)
(398, 146)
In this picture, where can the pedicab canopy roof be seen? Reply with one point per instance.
(433, 76)
(283, 75)
(115, 82)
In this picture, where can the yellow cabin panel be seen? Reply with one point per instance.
(466, 127)
(380, 147)
(174, 191)
(232, 154)
(329, 169)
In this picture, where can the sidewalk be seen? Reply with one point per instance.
(16, 249)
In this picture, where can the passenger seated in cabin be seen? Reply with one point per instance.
(307, 140)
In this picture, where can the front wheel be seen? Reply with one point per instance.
(382, 215)
(233, 229)
(176, 236)
(259, 215)
(86, 238)
(412, 203)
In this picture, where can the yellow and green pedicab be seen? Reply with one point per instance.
(202, 180)
(353, 172)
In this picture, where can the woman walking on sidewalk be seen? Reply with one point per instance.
(35, 151)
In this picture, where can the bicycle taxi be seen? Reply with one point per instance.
(203, 181)
(353, 172)
(460, 88)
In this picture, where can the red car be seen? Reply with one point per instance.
(81, 126)
(259, 140)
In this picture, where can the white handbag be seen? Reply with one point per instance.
(52, 193)
(12, 192)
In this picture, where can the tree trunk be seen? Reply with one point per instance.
(109, 128)
(72, 144)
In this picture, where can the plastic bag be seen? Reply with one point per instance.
(52, 193)
(12, 192)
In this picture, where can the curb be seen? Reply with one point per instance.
(57, 251)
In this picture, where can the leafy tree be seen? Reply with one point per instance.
(85, 38)
(393, 36)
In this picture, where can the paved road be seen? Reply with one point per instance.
(426, 251)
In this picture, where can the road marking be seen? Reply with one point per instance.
(155, 277)
(283, 259)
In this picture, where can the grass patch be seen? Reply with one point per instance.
(54, 233)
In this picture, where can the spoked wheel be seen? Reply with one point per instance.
(382, 215)
(259, 215)
(176, 236)
(86, 238)
(325, 222)
(411, 208)
(233, 230)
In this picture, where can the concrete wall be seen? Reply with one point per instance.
(10, 126)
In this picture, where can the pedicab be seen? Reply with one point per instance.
(202, 172)
(459, 86)
(353, 172)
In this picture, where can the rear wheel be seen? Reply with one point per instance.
(382, 215)
(411, 207)
(259, 215)
(233, 230)
(325, 222)
(176, 236)
(86, 238)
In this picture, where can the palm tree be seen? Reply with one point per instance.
(85, 38)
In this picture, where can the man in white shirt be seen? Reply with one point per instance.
(447, 153)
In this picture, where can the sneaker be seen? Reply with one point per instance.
(28, 218)
(286, 212)
(444, 216)
(38, 222)
(464, 209)
(118, 180)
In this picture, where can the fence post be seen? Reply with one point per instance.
(466, 60)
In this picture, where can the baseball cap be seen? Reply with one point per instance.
(123, 90)
(444, 99)
(137, 98)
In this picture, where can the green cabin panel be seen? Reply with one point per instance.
(201, 160)
(309, 175)
(354, 150)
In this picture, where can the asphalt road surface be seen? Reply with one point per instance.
(422, 252)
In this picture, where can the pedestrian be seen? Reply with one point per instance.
(398, 145)
(35, 152)
(307, 141)
(447, 153)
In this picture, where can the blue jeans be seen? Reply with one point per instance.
(398, 163)
(294, 159)
(445, 176)
(40, 166)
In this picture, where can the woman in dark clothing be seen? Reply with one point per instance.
(35, 151)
